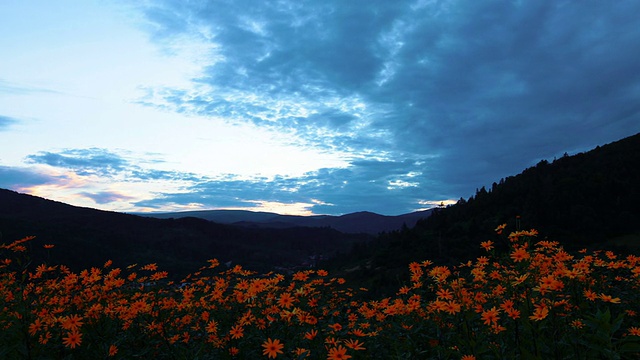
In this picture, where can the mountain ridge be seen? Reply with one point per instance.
(589, 200)
(586, 199)
(353, 223)
(87, 237)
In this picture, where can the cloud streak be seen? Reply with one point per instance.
(106, 197)
(21, 178)
(6, 122)
(106, 164)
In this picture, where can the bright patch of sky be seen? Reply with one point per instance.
(75, 74)
(304, 107)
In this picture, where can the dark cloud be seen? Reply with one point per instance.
(16, 178)
(84, 162)
(105, 197)
(329, 191)
(6, 121)
(105, 163)
(471, 91)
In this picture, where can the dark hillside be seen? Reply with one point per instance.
(354, 223)
(586, 200)
(86, 237)
(583, 199)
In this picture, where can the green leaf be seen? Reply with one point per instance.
(630, 347)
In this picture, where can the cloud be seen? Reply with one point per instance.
(21, 89)
(425, 101)
(85, 162)
(106, 197)
(386, 187)
(479, 89)
(330, 190)
(17, 178)
(423, 75)
(106, 164)
(6, 122)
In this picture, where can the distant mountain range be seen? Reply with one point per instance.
(353, 223)
(181, 242)
(589, 199)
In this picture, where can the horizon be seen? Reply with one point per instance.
(304, 108)
(207, 210)
(270, 212)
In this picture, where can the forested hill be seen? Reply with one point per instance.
(586, 200)
(85, 238)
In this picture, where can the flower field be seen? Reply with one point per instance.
(530, 300)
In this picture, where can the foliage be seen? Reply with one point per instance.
(532, 300)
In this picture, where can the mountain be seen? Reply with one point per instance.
(354, 223)
(585, 200)
(85, 237)
(588, 200)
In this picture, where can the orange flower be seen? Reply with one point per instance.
(322, 272)
(336, 327)
(35, 327)
(331, 341)
(150, 267)
(487, 245)
(468, 357)
(113, 350)
(483, 261)
(452, 307)
(519, 255)
(72, 322)
(609, 298)
(444, 294)
(43, 339)
(354, 344)
(286, 301)
(236, 332)
(212, 327)
(338, 353)
(272, 348)
(634, 331)
(490, 316)
(158, 275)
(513, 313)
(415, 268)
(233, 351)
(540, 312)
(73, 339)
(577, 324)
(520, 279)
(48, 246)
(590, 295)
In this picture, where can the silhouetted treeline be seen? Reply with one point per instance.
(86, 237)
(586, 200)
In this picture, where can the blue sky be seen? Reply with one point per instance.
(304, 107)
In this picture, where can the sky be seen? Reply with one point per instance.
(304, 107)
